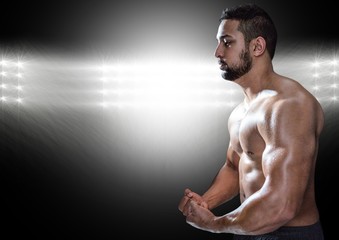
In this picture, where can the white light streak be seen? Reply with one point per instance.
(163, 84)
(149, 83)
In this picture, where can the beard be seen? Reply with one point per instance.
(235, 72)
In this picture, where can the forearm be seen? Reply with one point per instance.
(224, 187)
(259, 214)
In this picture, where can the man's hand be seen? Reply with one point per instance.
(191, 196)
(200, 217)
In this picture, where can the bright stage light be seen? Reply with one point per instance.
(169, 84)
(11, 76)
(149, 83)
(325, 80)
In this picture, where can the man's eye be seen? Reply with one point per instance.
(227, 43)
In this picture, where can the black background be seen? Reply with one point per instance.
(53, 191)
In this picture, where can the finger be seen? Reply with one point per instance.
(188, 207)
(193, 205)
(182, 203)
(193, 220)
(190, 219)
(188, 192)
(204, 204)
(198, 199)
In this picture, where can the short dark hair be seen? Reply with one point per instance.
(254, 22)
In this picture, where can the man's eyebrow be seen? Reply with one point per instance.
(223, 36)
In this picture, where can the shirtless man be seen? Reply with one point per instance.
(274, 135)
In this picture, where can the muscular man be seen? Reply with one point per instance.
(274, 135)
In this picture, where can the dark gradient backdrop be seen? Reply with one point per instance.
(70, 169)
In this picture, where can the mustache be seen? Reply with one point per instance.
(221, 62)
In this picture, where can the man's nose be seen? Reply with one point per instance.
(218, 52)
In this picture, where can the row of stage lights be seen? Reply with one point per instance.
(166, 85)
(325, 70)
(10, 86)
(117, 90)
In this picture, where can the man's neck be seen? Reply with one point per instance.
(255, 81)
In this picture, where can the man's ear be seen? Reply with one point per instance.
(259, 46)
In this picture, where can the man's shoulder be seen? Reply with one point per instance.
(292, 92)
(295, 101)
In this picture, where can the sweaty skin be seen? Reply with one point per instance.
(274, 135)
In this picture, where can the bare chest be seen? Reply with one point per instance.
(244, 135)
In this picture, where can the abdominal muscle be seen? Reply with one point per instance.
(250, 175)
